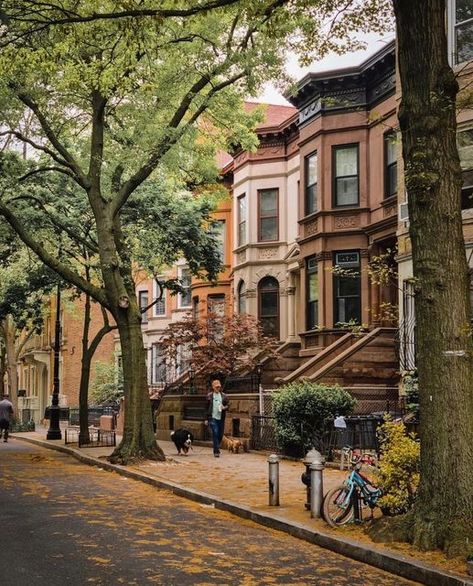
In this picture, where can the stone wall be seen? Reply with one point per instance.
(174, 408)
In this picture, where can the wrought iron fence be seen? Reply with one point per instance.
(93, 438)
(263, 436)
(406, 344)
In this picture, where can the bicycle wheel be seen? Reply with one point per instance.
(337, 507)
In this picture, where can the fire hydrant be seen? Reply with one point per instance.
(313, 478)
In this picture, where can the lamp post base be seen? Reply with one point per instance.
(54, 431)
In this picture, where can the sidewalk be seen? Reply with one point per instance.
(238, 483)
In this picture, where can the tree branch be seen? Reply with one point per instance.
(49, 260)
(69, 160)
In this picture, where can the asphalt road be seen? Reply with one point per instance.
(63, 523)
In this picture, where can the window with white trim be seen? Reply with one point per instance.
(185, 298)
(160, 305)
(465, 151)
(460, 31)
(143, 304)
(241, 237)
(158, 365)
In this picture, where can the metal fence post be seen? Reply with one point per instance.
(273, 462)
(317, 486)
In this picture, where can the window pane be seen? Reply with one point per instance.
(391, 149)
(219, 228)
(311, 199)
(311, 169)
(312, 315)
(313, 287)
(241, 298)
(185, 296)
(160, 307)
(346, 161)
(464, 42)
(143, 303)
(242, 208)
(347, 286)
(269, 303)
(242, 234)
(463, 10)
(270, 326)
(347, 191)
(465, 148)
(391, 180)
(269, 229)
(268, 203)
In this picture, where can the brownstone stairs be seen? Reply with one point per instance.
(364, 363)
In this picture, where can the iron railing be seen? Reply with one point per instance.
(405, 343)
(93, 438)
(263, 436)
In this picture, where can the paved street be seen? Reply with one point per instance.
(65, 523)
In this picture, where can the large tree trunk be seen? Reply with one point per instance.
(443, 515)
(10, 331)
(86, 360)
(138, 436)
(3, 369)
(138, 440)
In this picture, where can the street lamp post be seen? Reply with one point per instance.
(54, 431)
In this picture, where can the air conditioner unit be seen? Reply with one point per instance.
(403, 212)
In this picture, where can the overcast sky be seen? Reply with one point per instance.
(374, 43)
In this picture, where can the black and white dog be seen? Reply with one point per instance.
(182, 439)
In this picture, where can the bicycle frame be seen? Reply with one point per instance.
(356, 480)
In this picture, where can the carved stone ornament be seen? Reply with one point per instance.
(390, 211)
(311, 228)
(241, 257)
(344, 222)
(267, 253)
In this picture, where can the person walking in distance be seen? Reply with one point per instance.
(217, 404)
(6, 412)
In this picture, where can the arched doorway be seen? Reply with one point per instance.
(268, 306)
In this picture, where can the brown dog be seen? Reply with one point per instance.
(233, 444)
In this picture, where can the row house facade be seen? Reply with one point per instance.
(306, 213)
(36, 360)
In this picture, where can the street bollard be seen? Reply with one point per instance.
(273, 462)
(317, 487)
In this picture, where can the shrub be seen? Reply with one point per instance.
(398, 468)
(302, 410)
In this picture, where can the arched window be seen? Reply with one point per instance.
(241, 297)
(268, 306)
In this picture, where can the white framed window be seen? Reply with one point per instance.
(158, 365)
(460, 31)
(220, 228)
(465, 152)
(143, 304)
(241, 239)
(241, 296)
(185, 298)
(159, 308)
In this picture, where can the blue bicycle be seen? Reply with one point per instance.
(340, 503)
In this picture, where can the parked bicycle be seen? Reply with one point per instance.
(340, 503)
(349, 454)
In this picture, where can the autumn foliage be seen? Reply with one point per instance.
(223, 343)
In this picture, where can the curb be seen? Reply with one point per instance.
(388, 561)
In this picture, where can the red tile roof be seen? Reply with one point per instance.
(276, 115)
